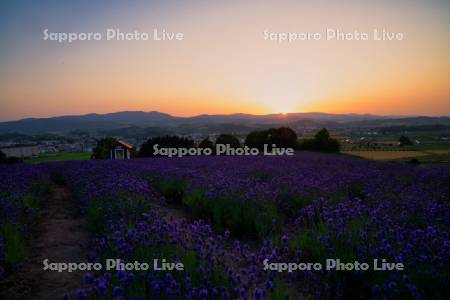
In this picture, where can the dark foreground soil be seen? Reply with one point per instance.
(60, 237)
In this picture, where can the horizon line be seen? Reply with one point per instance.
(219, 114)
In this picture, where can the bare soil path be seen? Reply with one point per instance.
(61, 238)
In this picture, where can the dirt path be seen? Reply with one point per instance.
(61, 238)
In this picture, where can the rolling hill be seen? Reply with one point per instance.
(169, 123)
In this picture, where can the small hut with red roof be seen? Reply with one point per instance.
(120, 150)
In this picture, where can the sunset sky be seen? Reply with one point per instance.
(224, 64)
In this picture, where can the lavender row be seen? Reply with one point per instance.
(21, 186)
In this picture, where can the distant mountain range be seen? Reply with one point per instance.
(162, 122)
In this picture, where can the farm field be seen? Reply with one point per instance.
(231, 221)
(433, 158)
(433, 146)
(392, 145)
(387, 155)
(59, 157)
(442, 151)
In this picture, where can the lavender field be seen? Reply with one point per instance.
(232, 220)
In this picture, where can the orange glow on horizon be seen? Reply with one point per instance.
(225, 66)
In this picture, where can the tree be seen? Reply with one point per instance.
(281, 137)
(9, 160)
(405, 141)
(257, 139)
(321, 142)
(206, 144)
(102, 150)
(167, 141)
(228, 139)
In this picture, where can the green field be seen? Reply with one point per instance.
(432, 146)
(59, 157)
(388, 143)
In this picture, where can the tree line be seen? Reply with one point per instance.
(8, 160)
(283, 137)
